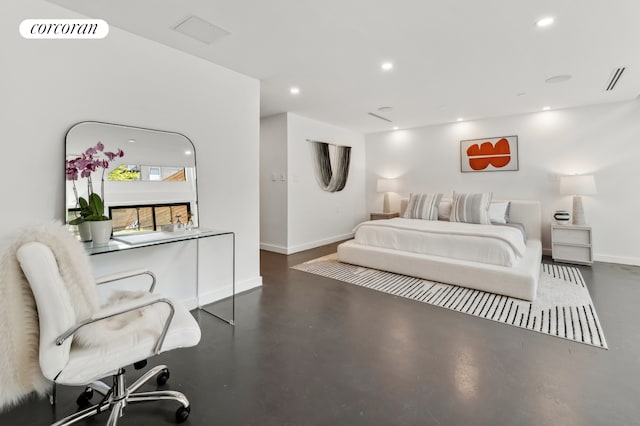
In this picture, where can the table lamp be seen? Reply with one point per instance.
(577, 186)
(387, 186)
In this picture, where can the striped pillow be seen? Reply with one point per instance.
(422, 206)
(471, 208)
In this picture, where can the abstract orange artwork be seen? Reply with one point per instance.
(489, 154)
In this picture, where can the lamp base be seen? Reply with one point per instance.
(385, 203)
(578, 211)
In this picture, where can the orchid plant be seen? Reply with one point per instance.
(94, 158)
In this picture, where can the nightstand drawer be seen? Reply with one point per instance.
(572, 236)
(575, 254)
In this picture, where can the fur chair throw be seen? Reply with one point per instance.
(20, 373)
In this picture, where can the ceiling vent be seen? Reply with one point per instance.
(199, 29)
(614, 78)
(380, 117)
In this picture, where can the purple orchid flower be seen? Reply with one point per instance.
(112, 155)
(72, 174)
(88, 162)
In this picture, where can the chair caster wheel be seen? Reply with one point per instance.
(182, 414)
(140, 364)
(84, 400)
(163, 377)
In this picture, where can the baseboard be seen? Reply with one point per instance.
(226, 291)
(274, 248)
(617, 259)
(190, 303)
(622, 260)
(545, 251)
(319, 243)
(249, 284)
(305, 246)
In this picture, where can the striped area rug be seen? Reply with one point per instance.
(563, 307)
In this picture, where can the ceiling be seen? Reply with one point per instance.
(457, 58)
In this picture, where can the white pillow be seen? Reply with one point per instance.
(444, 209)
(499, 211)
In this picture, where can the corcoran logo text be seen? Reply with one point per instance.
(64, 28)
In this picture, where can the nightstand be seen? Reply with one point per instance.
(572, 244)
(376, 216)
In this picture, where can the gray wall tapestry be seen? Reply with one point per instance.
(331, 163)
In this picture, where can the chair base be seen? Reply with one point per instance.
(116, 398)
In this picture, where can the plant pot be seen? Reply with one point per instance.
(101, 231)
(84, 229)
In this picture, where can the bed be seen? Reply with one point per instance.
(455, 253)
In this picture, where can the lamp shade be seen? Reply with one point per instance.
(387, 185)
(578, 185)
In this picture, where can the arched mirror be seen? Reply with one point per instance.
(146, 177)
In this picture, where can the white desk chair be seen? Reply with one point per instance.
(72, 364)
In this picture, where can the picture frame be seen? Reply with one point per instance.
(495, 154)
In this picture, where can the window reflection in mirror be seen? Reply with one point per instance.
(125, 173)
(173, 174)
(154, 173)
(127, 219)
(132, 172)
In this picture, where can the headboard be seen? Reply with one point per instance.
(526, 212)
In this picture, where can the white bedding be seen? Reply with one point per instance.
(496, 245)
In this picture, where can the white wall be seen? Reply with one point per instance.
(48, 85)
(317, 217)
(273, 183)
(296, 214)
(600, 140)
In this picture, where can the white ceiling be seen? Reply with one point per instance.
(454, 58)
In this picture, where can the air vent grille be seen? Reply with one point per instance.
(614, 78)
(199, 29)
(379, 117)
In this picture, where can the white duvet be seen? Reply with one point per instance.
(497, 245)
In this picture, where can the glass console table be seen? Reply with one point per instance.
(147, 239)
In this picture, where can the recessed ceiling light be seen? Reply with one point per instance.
(459, 119)
(558, 78)
(545, 22)
(547, 108)
(395, 127)
(387, 66)
(521, 94)
(294, 90)
(132, 140)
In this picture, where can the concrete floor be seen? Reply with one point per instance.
(308, 350)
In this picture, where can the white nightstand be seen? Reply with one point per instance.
(572, 244)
